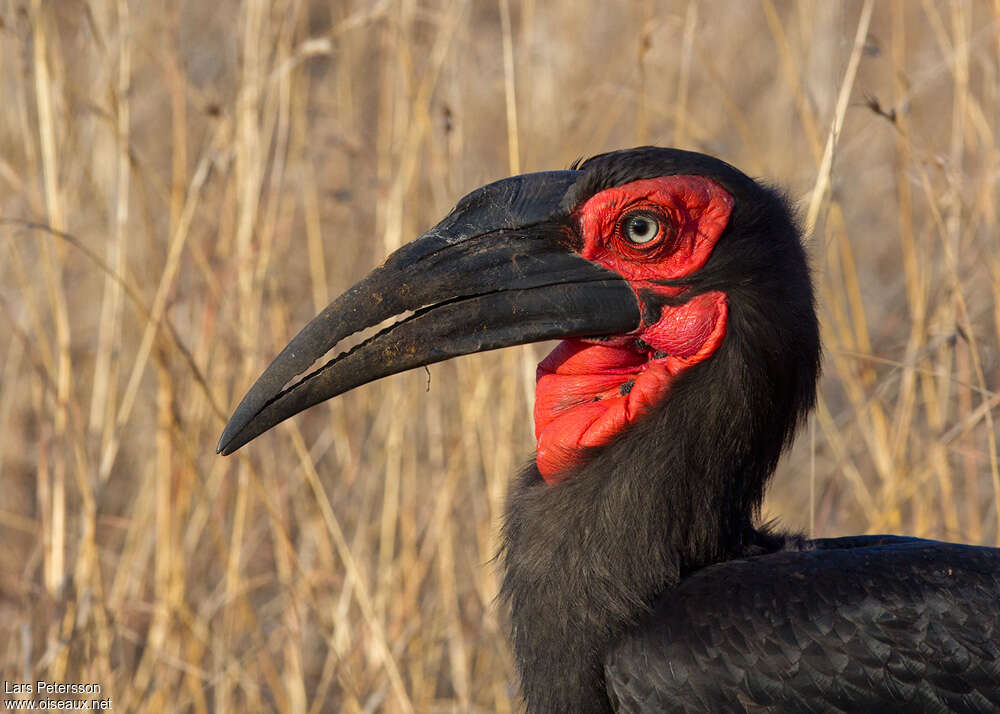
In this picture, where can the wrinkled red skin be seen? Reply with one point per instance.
(583, 397)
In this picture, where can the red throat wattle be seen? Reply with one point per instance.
(590, 391)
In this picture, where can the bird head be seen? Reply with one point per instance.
(655, 267)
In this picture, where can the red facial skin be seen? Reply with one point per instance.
(583, 398)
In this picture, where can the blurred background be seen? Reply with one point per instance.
(184, 184)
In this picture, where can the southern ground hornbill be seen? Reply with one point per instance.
(636, 575)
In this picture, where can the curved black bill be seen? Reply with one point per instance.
(489, 275)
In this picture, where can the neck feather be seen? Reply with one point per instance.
(586, 558)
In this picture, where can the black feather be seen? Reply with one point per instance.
(841, 625)
(645, 572)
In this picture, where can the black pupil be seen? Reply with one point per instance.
(641, 229)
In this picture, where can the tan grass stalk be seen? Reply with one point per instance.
(52, 264)
(826, 163)
(510, 96)
(103, 394)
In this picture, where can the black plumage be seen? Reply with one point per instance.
(834, 625)
(592, 568)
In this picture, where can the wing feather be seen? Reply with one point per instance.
(872, 623)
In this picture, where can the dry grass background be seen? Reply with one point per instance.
(204, 176)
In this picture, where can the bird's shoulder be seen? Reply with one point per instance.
(865, 623)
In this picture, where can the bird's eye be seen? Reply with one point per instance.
(640, 227)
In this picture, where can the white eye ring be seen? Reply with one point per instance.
(641, 227)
